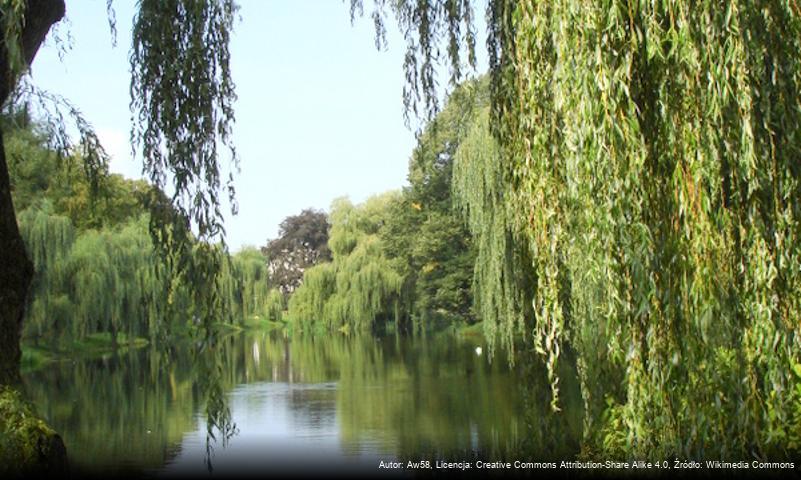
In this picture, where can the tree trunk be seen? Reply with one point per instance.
(16, 270)
(28, 446)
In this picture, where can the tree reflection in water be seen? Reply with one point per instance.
(258, 396)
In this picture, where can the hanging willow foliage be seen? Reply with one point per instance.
(359, 287)
(423, 23)
(48, 238)
(501, 283)
(649, 161)
(653, 150)
(102, 281)
(307, 303)
(182, 99)
(275, 305)
(250, 267)
(243, 287)
(109, 280)
(182, 96)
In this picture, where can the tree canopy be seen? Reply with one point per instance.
(181, 101)
(640, 203)
(302, 242)
(404, 257)
(96, 269)
(648, 174)
(359, 287)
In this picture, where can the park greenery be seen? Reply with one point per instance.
(302, 242)
(405, 257)
(96, 268)
(618, 203)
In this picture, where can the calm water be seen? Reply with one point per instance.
(312, 404)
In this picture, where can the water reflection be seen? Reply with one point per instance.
(297, 403)
(118, 413)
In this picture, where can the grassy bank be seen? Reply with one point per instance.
(35, 356)
(258, 322)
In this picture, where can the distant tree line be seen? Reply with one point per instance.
(96, 267)
(404, 257)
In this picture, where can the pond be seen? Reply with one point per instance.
(325, 404)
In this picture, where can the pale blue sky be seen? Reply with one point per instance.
(319, 112)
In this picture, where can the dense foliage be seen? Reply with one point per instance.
(637, 202)
(424, 235)
(182, 99)
(302, 242)
(503, 282)
(648, 186)
(404, 257)
(97, 270)
(359, 287)
(655, 159)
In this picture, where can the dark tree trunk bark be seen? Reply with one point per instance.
(16, 270)
(47, 455)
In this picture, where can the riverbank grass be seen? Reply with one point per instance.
(36, 356)
(260, 322)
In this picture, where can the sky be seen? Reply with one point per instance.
(319, 113)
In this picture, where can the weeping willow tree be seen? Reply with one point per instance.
(502, 280)
(653, 149)
(111, 281)
(243, 285)
(95, 268)
(93, 281)
(274, 306)
(48, 237)
(181, 102)
(307, 304)
(251, 270)
(181, 99)
(359, 288)
(649, 172)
